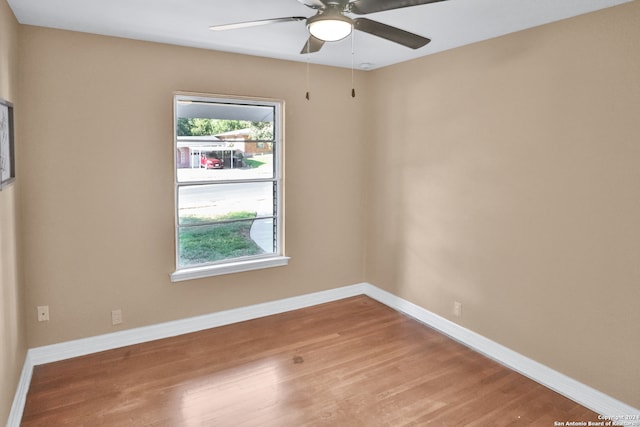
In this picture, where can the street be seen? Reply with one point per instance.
(220, 199)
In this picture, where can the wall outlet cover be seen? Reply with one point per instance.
(116, 317)
(43, 313)
(457, 309)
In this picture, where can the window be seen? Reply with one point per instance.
(228, 185)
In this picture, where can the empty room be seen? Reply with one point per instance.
(211, 214)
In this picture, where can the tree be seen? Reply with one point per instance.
(199, 127)
(262, 131)
(194, 127)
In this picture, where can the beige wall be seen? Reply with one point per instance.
(512, 184)
(96, 169)
(502, 175)
(12, 317)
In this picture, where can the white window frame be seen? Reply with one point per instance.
(248, 263)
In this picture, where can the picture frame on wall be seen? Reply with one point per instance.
(7, 154)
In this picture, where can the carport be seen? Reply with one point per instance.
(190, 148)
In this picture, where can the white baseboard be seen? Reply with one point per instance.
(81, 347)
(20, 398)
(568, 387)
(574, 390)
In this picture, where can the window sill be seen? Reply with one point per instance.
(228, 268)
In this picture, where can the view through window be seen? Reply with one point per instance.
(228, 181)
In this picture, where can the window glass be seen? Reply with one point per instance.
(228, 180)
(206, 203)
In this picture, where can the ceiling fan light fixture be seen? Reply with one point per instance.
(329, 27)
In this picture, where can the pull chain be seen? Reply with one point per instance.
(307, 96)
(353, 50)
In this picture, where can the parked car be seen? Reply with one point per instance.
(210, 162)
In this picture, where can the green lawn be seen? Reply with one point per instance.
(252, 163)
(214, 242)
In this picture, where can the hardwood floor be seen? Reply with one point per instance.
(353, 362)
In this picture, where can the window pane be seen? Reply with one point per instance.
(191, 107)
(228, 176)
(224, 202)
(241, 160)
(215, 242)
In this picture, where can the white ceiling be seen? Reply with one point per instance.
(449, 24)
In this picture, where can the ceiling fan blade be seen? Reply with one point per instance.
(312, 45)
(362, 7)
(255, 23)
(390, 33)
(313, 4)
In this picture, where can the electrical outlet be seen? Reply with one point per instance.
(457, 309)
(43, 313)
(116, 317)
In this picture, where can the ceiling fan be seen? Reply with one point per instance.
(331, 24)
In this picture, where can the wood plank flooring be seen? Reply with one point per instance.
(353, 362)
